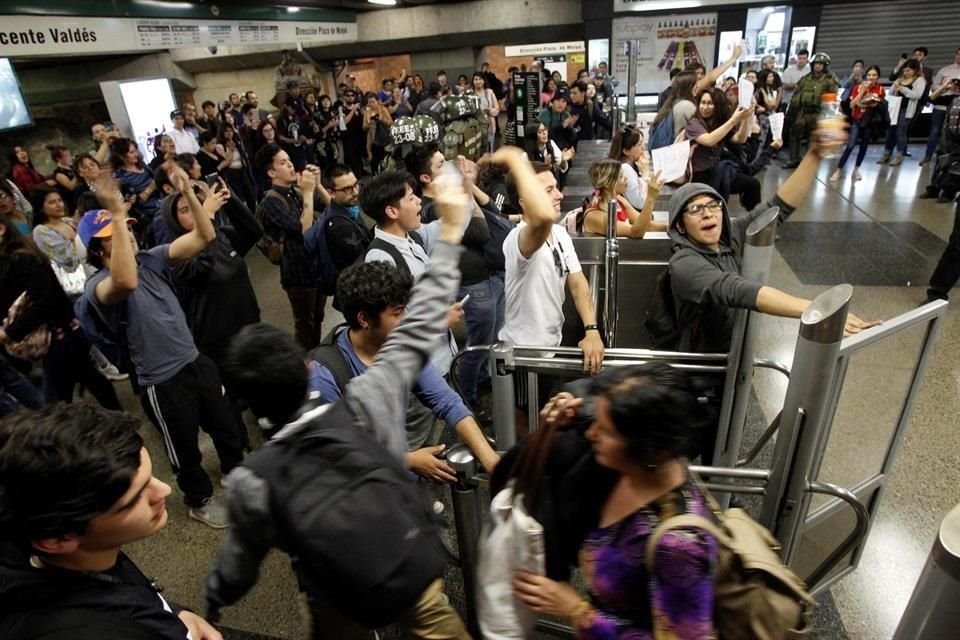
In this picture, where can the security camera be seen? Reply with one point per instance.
(212, 49)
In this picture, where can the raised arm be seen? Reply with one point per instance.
(122, 280)
(378, 397)
(719, 134)
(709, 79)
(192, 243)
(538, 210)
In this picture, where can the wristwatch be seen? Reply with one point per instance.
(591, 327)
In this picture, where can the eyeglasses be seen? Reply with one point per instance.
(350, 187)
(697, 210)
(5, 196)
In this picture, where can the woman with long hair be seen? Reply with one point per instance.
(64, 176)
(865, 98)
(601, 492)
(328, 123)
(14, 213)
(135, 180)
(88, 170)
(909, 85)
(489, 105)
(236, 172)
(21, 170)
(609, 185)
(680, 104)
(55, 235)
(540, 148)
(549, 88)
(716, 122)
(627, 148)
(164, 149)
(376, 122)
(23, 269)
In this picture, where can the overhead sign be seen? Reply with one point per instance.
(663, 43)
(25, 35)
(621, 6)
(542, 49)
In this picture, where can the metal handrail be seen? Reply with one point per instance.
(851, 541)
(763, 363)
(640, 354)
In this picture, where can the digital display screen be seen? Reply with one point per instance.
(13, 108)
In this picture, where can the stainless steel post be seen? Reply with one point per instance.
(634, 46)
(804, 409)
(468, 519)
(501, 384)
(932, 613)
(611, 264)
(757, 258)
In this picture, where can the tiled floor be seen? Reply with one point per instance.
(873, 234)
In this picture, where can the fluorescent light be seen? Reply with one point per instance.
(293, 9)
(662, 5)
(166, 5)
(388, 3)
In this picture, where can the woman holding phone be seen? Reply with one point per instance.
(864, 100)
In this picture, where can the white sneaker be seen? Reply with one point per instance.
(856, 176)
(212, 513)
(110, 372)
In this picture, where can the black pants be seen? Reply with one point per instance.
(68, 363)
(353, 153)
(308, 307)
(747, 186)
(948, 269)
(178, 407)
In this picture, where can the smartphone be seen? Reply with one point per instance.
(212, 179)
(465, 299)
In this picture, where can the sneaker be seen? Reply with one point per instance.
(926, 195)
(110, 372)
(836, 175)
(944, 198)
(856, 176)
(926, 160)
(212, 513)
(883, 159)
(897, 160)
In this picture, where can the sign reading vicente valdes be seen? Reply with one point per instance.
(51, 35)
(23, 35)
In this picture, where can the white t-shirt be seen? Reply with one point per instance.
(535, 288)
(636, 187)
(792, 75)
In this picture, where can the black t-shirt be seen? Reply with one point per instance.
(208, 164)
(473, 265)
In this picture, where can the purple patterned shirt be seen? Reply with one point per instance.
(627, 598)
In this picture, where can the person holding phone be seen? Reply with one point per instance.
(864, 100)
(945, 87)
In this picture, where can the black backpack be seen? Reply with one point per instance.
(350, 517)
(662, 322)
(329, 355)
(398, 260)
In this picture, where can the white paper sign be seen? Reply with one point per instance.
(671, 161)
(745, 87)
(776, 126)
(893, 106)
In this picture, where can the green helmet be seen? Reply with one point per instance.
(821, 57)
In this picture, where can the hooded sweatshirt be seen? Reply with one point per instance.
(706, 284)
(214, 287)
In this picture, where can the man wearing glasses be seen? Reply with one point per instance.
(341, 237)
(705, 267)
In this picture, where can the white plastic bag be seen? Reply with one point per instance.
(511, 541)
(893, 106)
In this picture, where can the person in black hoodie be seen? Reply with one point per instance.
(76, 485)
(214, 287)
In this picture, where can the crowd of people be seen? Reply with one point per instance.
(114, 268)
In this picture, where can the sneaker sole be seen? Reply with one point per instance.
(205, 521)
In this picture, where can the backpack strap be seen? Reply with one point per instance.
(329, 355)
(683, 521)
(393, 252)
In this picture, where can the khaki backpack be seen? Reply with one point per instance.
(756, 597)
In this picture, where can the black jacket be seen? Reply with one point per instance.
(56, 604)
(214, 288)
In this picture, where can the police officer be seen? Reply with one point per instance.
(805, 105)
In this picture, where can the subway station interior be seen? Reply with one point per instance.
(846, 448)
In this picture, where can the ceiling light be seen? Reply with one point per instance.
(293, 9)
(388, 3)
(663, 5)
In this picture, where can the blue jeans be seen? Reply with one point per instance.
(480, 313)
(16, 391)
(858, 135)
(937, 118)
(897, 135)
